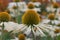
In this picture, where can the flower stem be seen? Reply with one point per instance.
(2, 35)
(17, 17)
(55, 38)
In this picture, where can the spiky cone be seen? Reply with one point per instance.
(4, 17)
(21, 37)
(31, 5)
(51, 16)
(55, 5)
(30, 17)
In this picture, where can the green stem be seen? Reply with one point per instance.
(17, 18)
(55, 38)
(56, 11)
(17, 8)
(2, 35)
(50, 22)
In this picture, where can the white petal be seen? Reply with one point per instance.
(52, 34)
(33, 32)
(20, 26)
(28, 30)
(49, 28)
(42, 34)
(22, 29)
(37, 33)
(44, 29)
(9, 26)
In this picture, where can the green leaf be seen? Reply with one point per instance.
(58, 37)
(43, 38)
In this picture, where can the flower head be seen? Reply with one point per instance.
(44, 13)
(55, 5)
(58, 25)
(21, 37)
(4, 17)
(57, 31)
(38, 30)
(30, 5)
(51, 16)
(30, 17)
(15, 7)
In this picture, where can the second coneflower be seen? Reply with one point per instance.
(4, 17)
(51, 16)
(55, 5)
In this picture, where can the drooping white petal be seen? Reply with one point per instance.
(9, 26)
(23, 29)
(20, 26)
(28, 38)
(44, 29)
(33, 31)
(52, 34)
(36, 33)
(45, 21)
(49, 28)
(42, 34)
(57, 34)
(28, 30)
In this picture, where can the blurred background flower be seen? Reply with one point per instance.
(15, 7)
(31, 5)
(21, 37)
(51, 16)
(4, 17)
(55, 5)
